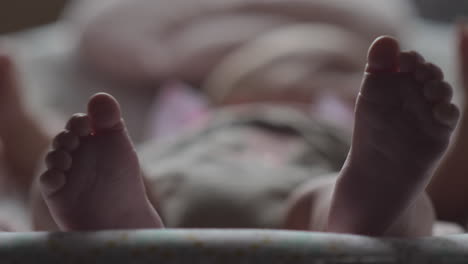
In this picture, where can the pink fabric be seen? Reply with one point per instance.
(332, 109)
(177, 108)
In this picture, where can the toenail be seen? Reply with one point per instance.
(66, 140)
(59, 160)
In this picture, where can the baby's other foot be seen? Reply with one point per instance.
(403, 102)
(403, 122)
(93, 179)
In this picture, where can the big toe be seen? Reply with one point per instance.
(383, 55)
(104, 112)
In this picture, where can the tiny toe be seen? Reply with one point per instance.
(51, 181)
(428, 72)
(66, 140)
(438, 91)
(383, 55)
(79, 124)
(104, 112)
(447, 114)
(435, 72)
(58, 160)
(410, 60)
(419, 58)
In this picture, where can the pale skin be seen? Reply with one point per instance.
(77, 167)
(24, 142)
(94, 164)
(397, 88)
(403, 121)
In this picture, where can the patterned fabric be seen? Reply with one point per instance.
(204, 180)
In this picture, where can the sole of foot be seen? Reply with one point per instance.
(93, 180)
(403, 122)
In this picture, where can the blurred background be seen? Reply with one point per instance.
(44, 36)
(210, 52)
(22, 14)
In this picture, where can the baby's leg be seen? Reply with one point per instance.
(93, 179)
(403, 122)
(24, 140)
(309, 207)
(13, 211)
(449, 188)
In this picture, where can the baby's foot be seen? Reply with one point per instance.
(93, 179)
(403, 122)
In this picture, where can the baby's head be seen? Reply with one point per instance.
(144, 41)
(302, 63)
(293, 65)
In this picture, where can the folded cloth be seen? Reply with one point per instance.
(203, 178)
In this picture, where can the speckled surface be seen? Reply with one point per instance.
(196, 246)
(225, 246)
